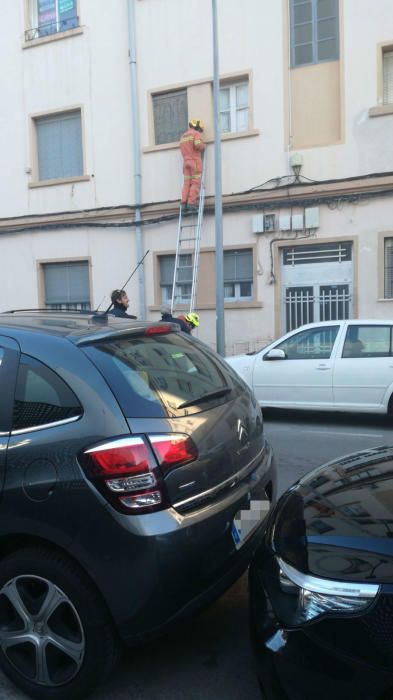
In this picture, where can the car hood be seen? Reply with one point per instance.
(337, 522)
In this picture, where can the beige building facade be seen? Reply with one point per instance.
(306, 109)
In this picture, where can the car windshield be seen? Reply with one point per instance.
(160, 375)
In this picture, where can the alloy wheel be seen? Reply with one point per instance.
(41, 634)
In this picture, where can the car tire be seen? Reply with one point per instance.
(57, 640)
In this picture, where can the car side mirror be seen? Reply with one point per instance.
(275, 354)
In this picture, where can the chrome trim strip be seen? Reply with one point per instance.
(4, 434)
(327, 586)
(22, 431)
(234, 479)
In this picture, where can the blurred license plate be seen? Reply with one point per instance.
(247, 520)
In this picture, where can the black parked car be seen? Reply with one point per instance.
(128, 452)
(321, 585)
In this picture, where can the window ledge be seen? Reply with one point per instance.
(224, 137)
(228, 136)
(380, 110)
(384, 299)
(60, 181)
(56, 36)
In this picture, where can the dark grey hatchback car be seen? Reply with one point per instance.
(134, 479)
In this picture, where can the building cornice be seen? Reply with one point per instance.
(293, 194)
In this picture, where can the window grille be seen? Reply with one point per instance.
(324, 253)
(303, 305)
(170, 116)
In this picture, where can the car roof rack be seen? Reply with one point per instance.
(55, 311)
(99, 316)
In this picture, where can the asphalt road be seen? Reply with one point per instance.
(209, 657)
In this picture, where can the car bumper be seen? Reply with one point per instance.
(154, 569)
(309, 663)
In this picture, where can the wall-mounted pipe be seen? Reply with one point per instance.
(136, 155)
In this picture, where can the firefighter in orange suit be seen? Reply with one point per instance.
(192, 147)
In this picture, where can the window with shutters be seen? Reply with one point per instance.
(59, 146)
(388, 77)
(51, 17)
(234, 107)
(314, 31)
(388, 268)
(66, 285)
(170, 113)
(238, 275)
(167, 268)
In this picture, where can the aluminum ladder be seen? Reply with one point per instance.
(189, 233)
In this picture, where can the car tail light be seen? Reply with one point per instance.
(173, 450)
(126, 471)
(159, 330)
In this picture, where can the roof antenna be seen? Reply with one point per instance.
(102, 315)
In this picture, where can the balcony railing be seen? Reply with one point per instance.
(55, 27)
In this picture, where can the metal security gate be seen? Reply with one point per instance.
(302, 306)
(317, 284)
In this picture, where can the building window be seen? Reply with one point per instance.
(388, 294)
(314, 31)
(170, 116)
(388, 77)
(67, 285)
(234, 107)
(50, 17)
(183, 288)
(59, 146)
(238, 275)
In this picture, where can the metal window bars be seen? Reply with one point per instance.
(303, 306)
(59, 25)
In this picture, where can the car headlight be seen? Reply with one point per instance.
(309, 596)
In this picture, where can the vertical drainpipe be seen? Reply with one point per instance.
(220, 320)
(136, 155)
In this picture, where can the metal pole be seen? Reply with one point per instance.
(136, 154)
(220, 326)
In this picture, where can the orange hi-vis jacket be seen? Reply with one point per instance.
(191, 145)
(191, 148)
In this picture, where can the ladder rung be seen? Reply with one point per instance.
(184, 240)
(188, 225)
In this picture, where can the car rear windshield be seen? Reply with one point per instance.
(152, 376)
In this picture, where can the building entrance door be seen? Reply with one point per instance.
(317, 284)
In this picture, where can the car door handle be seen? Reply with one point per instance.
(322, 368)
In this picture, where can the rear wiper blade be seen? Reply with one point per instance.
(206, 397)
